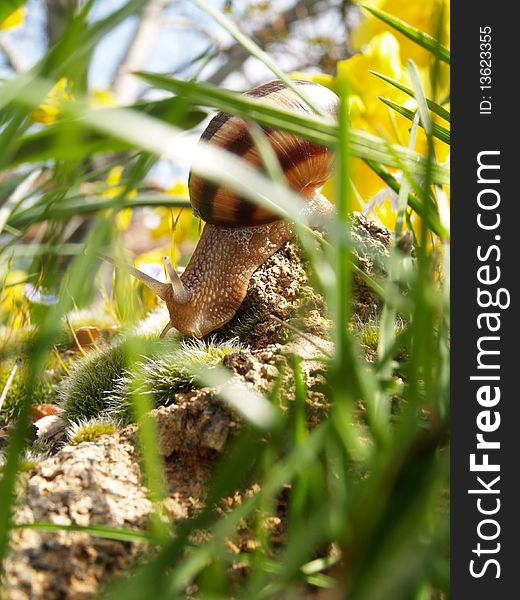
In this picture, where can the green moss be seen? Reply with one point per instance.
(369, 337)
(101, 383)
(83, 393)
(33, 455)
(24, 466)
(163, 375)
(239, 327)
(88, 432)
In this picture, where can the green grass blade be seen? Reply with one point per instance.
(424, 40)
(422, 105)
(428, 214)
(85, 206)
(370, 147)
(256, 51)
(438, 131)
(311, 127)
(433, 106)
(9, 6)
(102, 531)
(73, 139)
(387, 329)
(322, 130)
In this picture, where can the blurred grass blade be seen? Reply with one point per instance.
(424, 40)
(255, 50)
(9, 6)
(86, 206)
(317, 129)
(72, 139)
(67, 58)
(387, 328)
(438, 131)
(102, 531)
(433, 106)
(16, 197)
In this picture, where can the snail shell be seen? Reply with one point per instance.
(306, 165)
(240, 236)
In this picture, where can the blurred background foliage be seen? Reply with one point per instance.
(326, 42)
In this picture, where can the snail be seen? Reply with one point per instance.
(240, 236)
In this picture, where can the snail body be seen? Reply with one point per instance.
(240, 236)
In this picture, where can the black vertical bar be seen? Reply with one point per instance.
(485, 128)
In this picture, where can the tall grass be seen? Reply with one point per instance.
(372, 487)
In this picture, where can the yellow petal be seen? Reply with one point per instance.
(422, 15)
(123, 219)
(49, 109)
(114, 175)
(102, 98)
(15, 19)
(11, 295)
(178, 188)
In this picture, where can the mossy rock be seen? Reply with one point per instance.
(83, 392)
(163, 375)
(89, 431)
(102, 383)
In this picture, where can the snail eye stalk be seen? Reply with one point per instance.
(180, 293)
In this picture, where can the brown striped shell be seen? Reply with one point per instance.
(306, 165)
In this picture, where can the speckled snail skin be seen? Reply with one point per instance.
(240, 236)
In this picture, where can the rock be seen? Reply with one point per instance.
(196, 420)
(279, 289)
(100, 482)
(92, 483)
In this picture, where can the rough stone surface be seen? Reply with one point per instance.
(93, 483)
(100, 482)
(280, 289)
(197, 421)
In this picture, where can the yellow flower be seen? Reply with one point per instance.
(15, 19)
(113, 189)
(102, 98)
(383, 54)
(52, 104)
(12, 298)
(177, 222)
(369, 114)
(179, 188)
(112, 181)
(422, 15)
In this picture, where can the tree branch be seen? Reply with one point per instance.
(126, 86)
(14, 60)
(237, 55)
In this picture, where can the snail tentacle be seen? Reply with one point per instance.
(158, 287)
(181, 294)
